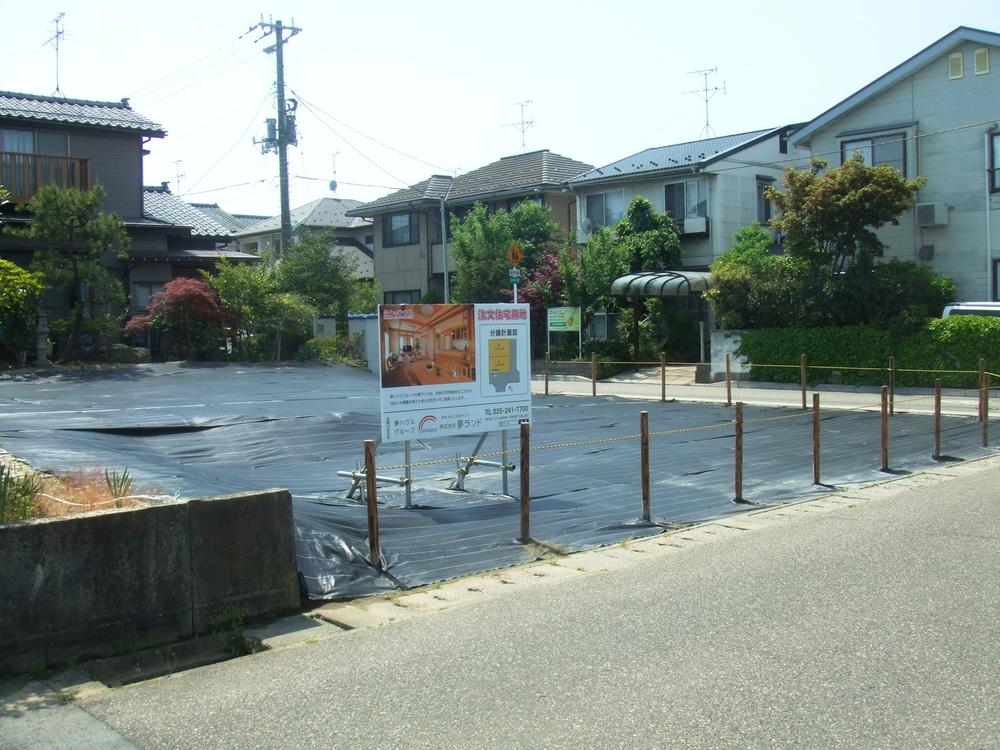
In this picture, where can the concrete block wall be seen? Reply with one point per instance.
(107, 583)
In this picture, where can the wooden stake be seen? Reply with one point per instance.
(546, 373)
(892, 386)
(804, 377)
(525, 484)
(739, 452)
(593, 374)
(644, 442)
(816, 438)
(373, 540)
(663, 377)
(937, 420)
(729, 380)
(982, 373)
(984, 399)
(885, 428)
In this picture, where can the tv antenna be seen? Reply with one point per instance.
(523, 125)
(55, 41)
(707, 94)
(178, 175)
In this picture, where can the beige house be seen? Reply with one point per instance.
(409, 261)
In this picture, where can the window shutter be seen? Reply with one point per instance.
(982, 58)
(955, 69)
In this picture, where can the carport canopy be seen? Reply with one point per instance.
(661, 284)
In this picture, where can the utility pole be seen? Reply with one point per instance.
(707, 94)
(281, 130)
(54, 41)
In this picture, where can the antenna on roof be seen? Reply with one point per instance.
(54, 41)
(522, 126)
(707, 94)
(333, 182)
(178, 175)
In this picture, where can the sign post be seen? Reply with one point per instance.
(515, 255)
(564, 320)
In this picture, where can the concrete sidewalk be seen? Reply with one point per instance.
(646, 384)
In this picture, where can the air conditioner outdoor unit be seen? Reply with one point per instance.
(932, 214)
(697, 225)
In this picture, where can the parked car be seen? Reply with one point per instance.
(990, 309)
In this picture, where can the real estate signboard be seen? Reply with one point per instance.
(453, 369)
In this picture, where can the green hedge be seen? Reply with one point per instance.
(942, 345)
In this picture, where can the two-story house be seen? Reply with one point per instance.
(409, 258)
(76, 143)
(711, 188)
(352, 236)
(936, 115)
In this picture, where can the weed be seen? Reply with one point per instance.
(17, 494)
(119, 484)
(230, 624)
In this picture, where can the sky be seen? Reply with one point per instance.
(390, 92)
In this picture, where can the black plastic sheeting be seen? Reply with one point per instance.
(204, 430)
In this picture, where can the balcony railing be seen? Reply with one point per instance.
(23, 174)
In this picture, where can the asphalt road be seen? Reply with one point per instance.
(875, 624)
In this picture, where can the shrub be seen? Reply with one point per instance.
(17, 494)
(941, 345)
(333, 350)
(187, 312)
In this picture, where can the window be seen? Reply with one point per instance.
(605, 209)
(981, 60)
(145, 292)
(369, 241)
(400, 229)
(512, 202)
(686, 200)
(46, 142)
(955, 66)
(883, 149)
(764, 209)
(405, 297)
(995, 163)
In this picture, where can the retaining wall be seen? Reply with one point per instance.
(108, 583)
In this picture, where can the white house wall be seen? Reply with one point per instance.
(954, 162)
(732, 197)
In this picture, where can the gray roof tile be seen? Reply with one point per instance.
(334, 213)
(666, 158)
(112, 115)
(165, 207)
(522, 173)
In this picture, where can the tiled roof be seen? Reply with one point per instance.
(538, 169)
(324, 212)
(430, 190)
(112, 115)
(192, 255)
(521, 173)
(666, 158)
(163, 206)
(221, 216)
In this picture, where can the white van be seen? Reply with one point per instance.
(991, 309)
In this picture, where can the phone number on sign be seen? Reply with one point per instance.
(503, 411)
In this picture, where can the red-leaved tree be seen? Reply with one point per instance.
(188, 316)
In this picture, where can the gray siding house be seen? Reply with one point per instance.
(409, 261)
(935, 115)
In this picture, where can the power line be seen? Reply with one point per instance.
(236, 143)
(355, 148)
(316, 109)
(351, 184)
(904, 139)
